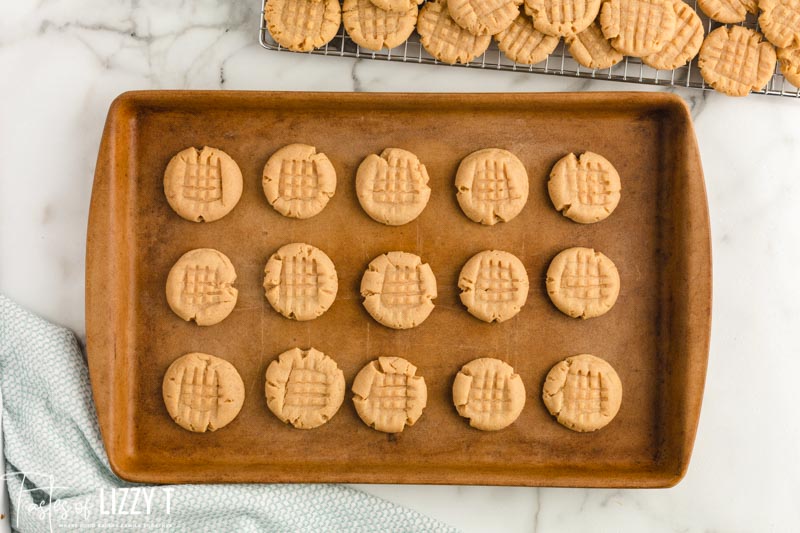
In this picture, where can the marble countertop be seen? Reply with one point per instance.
(65, 62)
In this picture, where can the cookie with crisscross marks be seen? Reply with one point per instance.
(736, 60)
(494, 285)
(300, 281)
(304, 388)
(298, 182)
(582, 283)
(790, 64)
(302, 25)
(583, 392)
(200, 286)
(585, 188)
(202, 392)
(374, 28)
(562, 18)
(388, 394)
(202, 185)
(492, 186)
(392, 187)
(638, 27)
(397, 6)
(398, 290)
(489, 393)
(483, 17)
(524, 44)
(444, 39)
(591, 49)
(780, 21)
(728, 11)
(684, 45)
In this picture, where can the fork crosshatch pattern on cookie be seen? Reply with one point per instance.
(202, 181)
(560, 62)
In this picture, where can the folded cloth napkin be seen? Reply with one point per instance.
(59, 478)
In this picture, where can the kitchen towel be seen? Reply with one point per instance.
(58, 475)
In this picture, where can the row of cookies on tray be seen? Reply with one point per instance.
(306, 388)
(665, 34)
(392, 188)
(398, 288)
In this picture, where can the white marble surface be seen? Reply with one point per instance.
(64, 61)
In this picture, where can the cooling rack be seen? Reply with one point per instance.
(559, 63)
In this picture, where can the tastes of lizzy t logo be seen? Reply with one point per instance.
(57, 507)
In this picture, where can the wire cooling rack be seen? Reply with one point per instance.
(559, 63)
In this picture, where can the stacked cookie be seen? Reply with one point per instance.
(664, 34)
(305, 387)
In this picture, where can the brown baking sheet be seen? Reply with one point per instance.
(656, 336)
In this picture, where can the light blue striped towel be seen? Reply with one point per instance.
(58, 475)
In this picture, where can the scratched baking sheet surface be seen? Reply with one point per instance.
(559, 63)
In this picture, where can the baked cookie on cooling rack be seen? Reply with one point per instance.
(582, 283)
(790, 64)
(735, 60)
(398, 290)
(200, 286)
(304, 388)
(392, 188)
(780, 21)
(300, 281)
(591, 49)
(202, 185)
(489, 393)
(444, 39)
(585, 188)
(562, 18)
(684, 45)
(298, 182)
(388, 395)
(638, 27)
(583, 392)
(302, 25)
(728, 11)
(374, 28)
(483, 17)
(494, 285)
(492, 186)
(522, 43)
(202, 392)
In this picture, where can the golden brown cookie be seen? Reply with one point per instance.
(489, 393)
(638, 27)
(300, 281)
(444, 39)
(728, 11)
(582, 283)
(388, 394)
(374, 28)
(200, 287)
(524, 44)
(780, 21)
(492, 186)
(393, 187)
(562, 18)
(202, 185)
(298, 181)
(398, 290)
(484, 17)
(790, 64)
(202, 392)
(398, 6)
(302, 25)
(735, 60)
(684, 45)
(586, 188)
(494, 285)
(304, 388)
(592, 50)
(583, 392)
